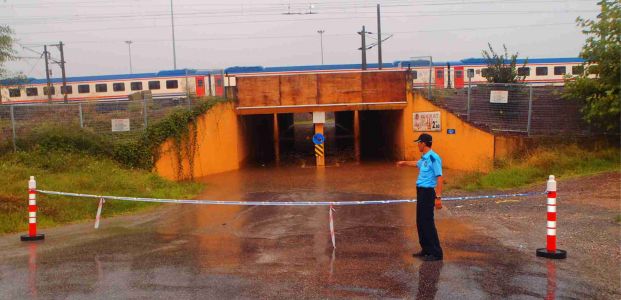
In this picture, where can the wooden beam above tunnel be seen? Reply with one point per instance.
(339, 91)
(260, 110)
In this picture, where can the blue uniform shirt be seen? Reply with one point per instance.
(430, 166)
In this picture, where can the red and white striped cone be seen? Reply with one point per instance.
(32, 213)
(550, 250)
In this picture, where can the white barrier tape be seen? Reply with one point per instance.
(32, 202)
(281, 203)
(551, 201)
(551, 231)
(32, 220)
(32, 214)
(98, 216)
(332, 228)
(551, 208)
(551, 224)
(32, 196)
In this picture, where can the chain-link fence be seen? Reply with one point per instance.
(116, 119)
(514, 108)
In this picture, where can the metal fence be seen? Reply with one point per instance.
(117, 119)
(514, 108)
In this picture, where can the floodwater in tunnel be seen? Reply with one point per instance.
(288, 140)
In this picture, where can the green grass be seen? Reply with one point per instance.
(535, 166)
(75, 172)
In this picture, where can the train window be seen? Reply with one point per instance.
(154, 85)
(414, 74)
(84, 89)
(118, 86)
(69, 90)
(172, 84)
(560, 70)
(219, 82)
(470, 73)
(15, 93)
(485, 72)
(440, 74)
(136, 86)
(524, 71)
(101, 88)
(577, 70)
(541, 71)
(32, 91)
(52, 90)
(200, 82)
(459, 74)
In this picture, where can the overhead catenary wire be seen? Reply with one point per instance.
(309, 36)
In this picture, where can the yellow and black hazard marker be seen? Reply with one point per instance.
(319, 150)
(319, 140)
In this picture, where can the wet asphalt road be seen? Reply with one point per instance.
(228, 252)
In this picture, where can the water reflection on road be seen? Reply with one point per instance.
(198, 251)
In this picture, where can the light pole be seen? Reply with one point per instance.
(172, 22)
(129, 47)
(321, 31)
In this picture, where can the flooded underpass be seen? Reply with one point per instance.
(350, 136)
(199, 251)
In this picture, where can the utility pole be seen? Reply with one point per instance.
(321, 31)
(379, 38)
(363, 34)
(172, 22)
(62, 69)
(47, 74)
(129, 47)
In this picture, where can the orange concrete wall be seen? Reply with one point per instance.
(470, 149)
(219, 146)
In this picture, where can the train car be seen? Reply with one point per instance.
(457, 74)
(454, 74)
(163, 84)
(187, 82)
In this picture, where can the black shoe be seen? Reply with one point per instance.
(431, 258)
(419, 254)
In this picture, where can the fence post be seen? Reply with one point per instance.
(187, 90)
(530, 109)
(13, 126)
(430, 76)
(469, 91)
(81, 115)
(144, 110)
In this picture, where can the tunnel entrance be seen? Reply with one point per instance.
(286, 138)
(380, 135)
(258, 138)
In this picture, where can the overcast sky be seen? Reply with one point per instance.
(215, 34)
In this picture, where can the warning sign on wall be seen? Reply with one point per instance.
(427, 121)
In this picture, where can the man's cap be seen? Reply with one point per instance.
(425, 138)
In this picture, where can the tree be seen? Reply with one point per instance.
(6, 48)
(501, 68)
(598, 88)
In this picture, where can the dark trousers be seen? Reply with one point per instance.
(427, 233)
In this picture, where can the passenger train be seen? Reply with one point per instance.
(183, 83)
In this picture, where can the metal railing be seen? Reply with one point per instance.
(514, 108)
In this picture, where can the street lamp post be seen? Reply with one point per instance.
(172, 22)
(321, 41)
(129, 47)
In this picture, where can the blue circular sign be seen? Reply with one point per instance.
(318, 139)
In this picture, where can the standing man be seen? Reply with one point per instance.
(428, 195)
